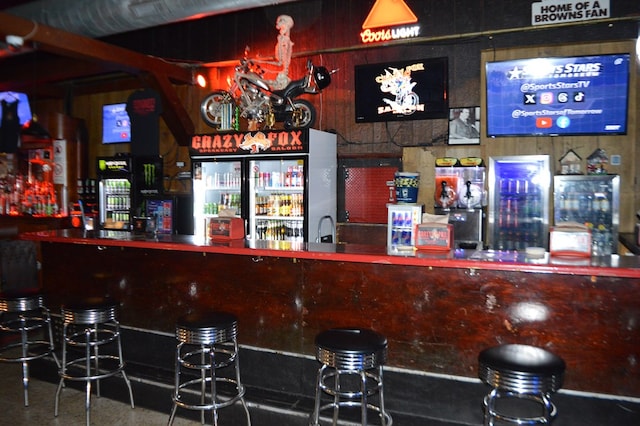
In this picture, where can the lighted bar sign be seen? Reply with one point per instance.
(268, 142)
(389, 20)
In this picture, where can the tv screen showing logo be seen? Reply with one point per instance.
(582, 95)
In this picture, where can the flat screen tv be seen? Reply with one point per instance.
(402, 90)
(116, 127)
(556, 96)
(17, 101)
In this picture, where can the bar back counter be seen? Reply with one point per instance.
(438, 311)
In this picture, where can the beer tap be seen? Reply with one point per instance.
(468, 195)
(444, 194)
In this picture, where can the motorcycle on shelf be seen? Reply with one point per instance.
(256, 99)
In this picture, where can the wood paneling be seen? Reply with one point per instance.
(422, 159)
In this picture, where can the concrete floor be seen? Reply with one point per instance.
(104, 411)
(153, 404)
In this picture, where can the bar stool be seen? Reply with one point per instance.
(207, 343)
(91, 324)
(520, 372)
(24, 312)
(353, 359)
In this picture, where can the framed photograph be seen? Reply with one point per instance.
(464, 126)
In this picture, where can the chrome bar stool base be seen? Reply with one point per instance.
(91, 325)
(351, 373)
(23, 312)
(526, 376)
(207, 344)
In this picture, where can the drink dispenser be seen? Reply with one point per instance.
(446, 191)
(473, 194)
(460, 193)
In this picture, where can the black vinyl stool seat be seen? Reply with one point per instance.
(523, 372)
(351, 372)
(207, 343)
(92, 325)
(24, 312)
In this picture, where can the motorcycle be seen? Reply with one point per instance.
(256, 99)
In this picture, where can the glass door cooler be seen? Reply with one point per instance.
(282, 183)
(277, 199)
(115, 179)
(518, 207)
(125, 184)
(592, 200)
(217, 187)
(401, 227)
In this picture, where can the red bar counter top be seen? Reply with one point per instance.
(438, 310)
(613, 266)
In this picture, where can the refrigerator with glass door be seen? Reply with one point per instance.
(591, 200)
(125, 184)
(518, 206)
(282, 183)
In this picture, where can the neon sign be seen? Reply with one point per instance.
(387, 20)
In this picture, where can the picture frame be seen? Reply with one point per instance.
(464, 126)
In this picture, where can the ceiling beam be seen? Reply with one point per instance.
(75, 47)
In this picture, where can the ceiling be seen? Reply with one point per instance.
(53, 49)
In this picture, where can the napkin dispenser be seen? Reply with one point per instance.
(226, 228)
(570, 239)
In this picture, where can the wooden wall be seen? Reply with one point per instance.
(422, 159)
(327, 32)
(336, 109)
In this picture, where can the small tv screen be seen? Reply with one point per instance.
(116, 127)
(577, 95)
(15, 102)
(402, 90)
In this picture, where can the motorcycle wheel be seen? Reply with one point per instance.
(211, 107)
(302, 116)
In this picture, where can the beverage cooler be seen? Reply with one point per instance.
(282, 183)
(125, 184)
(518, 207)
(401, 227)
(592, 200)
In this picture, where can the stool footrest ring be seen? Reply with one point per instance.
(37, 349)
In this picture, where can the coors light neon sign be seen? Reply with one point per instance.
(389, 20)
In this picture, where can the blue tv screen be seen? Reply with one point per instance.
(22, 106)
(116, 127)
(579, 95)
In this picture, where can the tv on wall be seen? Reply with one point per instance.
(402, 90)
(116, 127)
(19, 102)
(573, 95)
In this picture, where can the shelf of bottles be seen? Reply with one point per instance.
(278, 204)
(21, 195)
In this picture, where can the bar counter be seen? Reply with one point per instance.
(438, 310)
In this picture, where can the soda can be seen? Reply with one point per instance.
(405, 238)
(395, 237)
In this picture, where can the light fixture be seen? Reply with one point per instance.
(201, 80)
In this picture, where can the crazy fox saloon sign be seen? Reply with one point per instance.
(261, 142)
